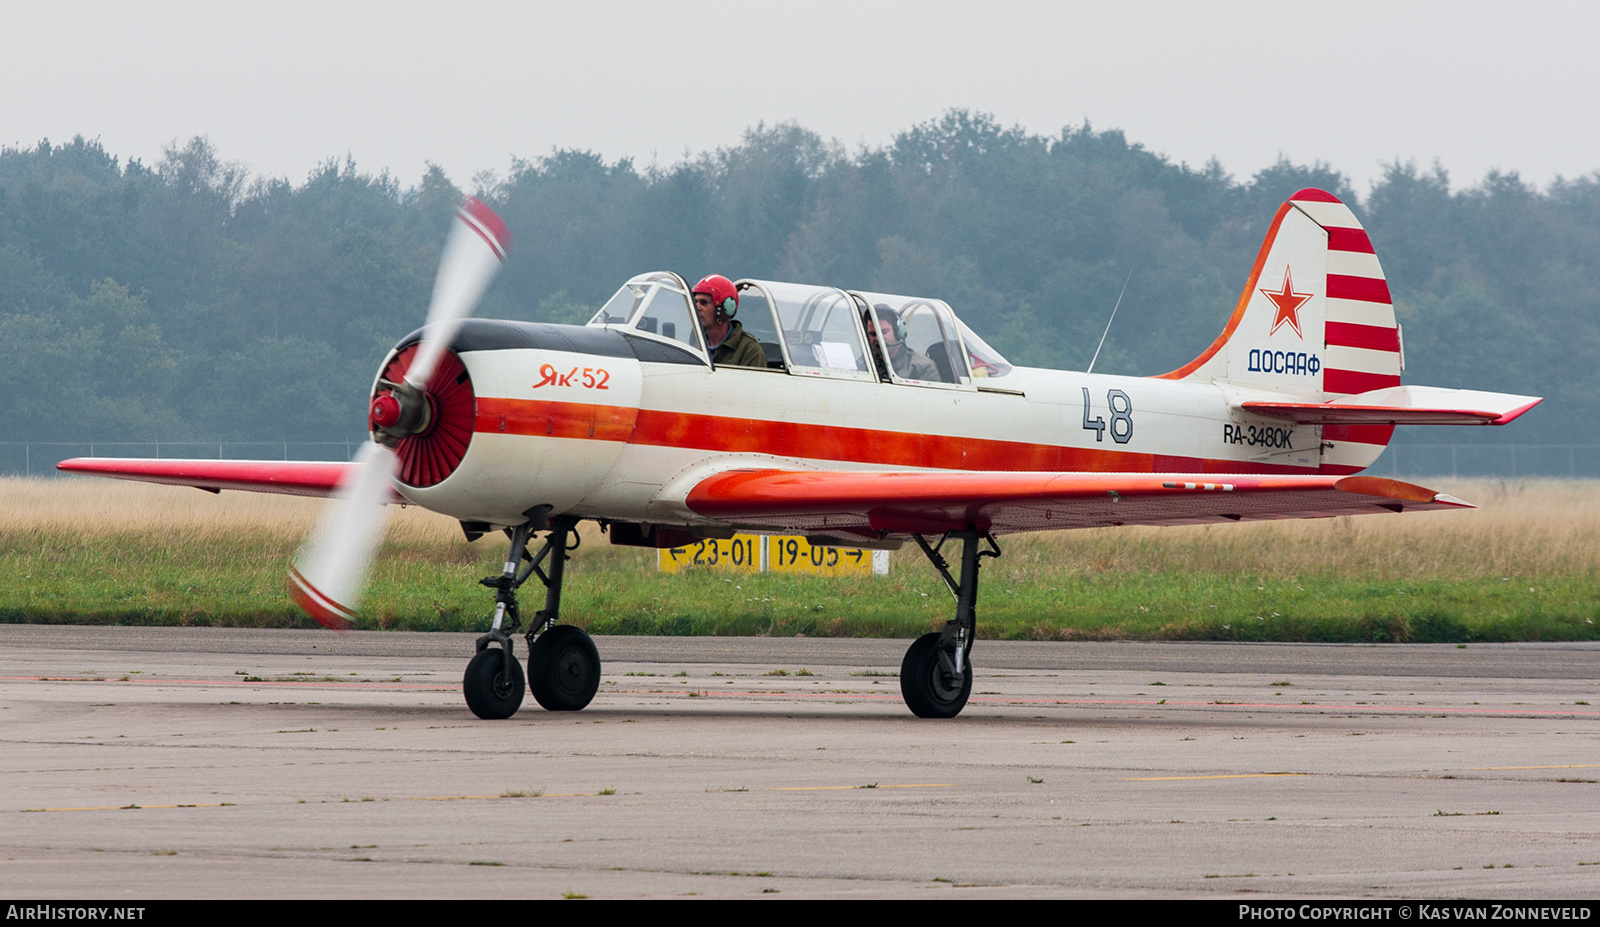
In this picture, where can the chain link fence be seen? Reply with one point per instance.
(1503, 461)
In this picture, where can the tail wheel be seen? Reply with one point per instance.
(564, 668)
(493, 684)
(929, 690)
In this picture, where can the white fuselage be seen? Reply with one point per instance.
(615, 437)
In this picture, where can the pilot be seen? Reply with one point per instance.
(908, 364)
(716, 301)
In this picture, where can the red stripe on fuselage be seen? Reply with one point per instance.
(730, 435)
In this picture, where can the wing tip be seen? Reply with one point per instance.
(1517, 412)
(1398, 490)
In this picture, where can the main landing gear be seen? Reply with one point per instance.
(936, 674)
(563, 664)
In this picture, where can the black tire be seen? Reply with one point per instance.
(564, 668)
(929, 691)
(493, 685)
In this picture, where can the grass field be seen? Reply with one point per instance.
(1523, 566)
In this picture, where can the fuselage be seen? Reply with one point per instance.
(610, 424)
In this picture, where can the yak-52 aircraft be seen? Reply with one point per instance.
(531, 428)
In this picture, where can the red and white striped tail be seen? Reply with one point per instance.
(1360, 335)
(1315, 322)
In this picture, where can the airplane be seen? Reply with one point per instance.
(531, 428)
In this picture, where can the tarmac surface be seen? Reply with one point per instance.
(180, 763)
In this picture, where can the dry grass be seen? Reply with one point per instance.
(83, 550)
(1523, 528)
(1526, 528)
(97, 507)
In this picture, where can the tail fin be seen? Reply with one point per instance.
(1315, 323)
(1314, 341)
(1315, 319)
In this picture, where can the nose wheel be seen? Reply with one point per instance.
(493, 684)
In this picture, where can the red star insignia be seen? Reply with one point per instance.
(1288, 303)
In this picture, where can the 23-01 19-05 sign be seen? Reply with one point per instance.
(753, 553)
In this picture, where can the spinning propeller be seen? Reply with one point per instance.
(327, 579)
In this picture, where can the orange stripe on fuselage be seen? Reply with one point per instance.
(554, 419)
(727, 434)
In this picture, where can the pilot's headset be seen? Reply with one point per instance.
(722, 293)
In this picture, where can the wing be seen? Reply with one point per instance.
(289, 477)
(875, 503)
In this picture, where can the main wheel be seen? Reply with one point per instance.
(929, 691)
(564, 668)
(493, 685)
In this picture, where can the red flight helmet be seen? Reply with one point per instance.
(722, 293)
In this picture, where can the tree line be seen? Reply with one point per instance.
(188, 300)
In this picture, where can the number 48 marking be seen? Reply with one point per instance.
(1121, 417)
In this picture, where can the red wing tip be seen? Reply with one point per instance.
(96, 465)
(323, 610)
(1385, 487)
(1516, 412)
(1314, 195)
(485, 222)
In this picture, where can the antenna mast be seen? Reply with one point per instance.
(1108, 322)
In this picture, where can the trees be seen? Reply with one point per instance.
(189, 300)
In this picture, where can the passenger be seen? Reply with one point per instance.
(716, 301)
(908, 364)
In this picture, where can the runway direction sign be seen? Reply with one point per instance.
(754, 553)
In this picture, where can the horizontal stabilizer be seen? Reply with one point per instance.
(1402, 405)
(289, 477)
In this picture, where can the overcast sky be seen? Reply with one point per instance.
(282, 86)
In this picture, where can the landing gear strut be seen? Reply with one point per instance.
(936, 675)
(563, 664)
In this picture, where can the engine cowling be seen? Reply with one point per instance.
(517, 416)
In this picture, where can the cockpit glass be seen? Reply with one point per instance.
(919, 339)
(656, 304)
(620, 309)
(666, 313)
(986, 361)
(821, 330)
